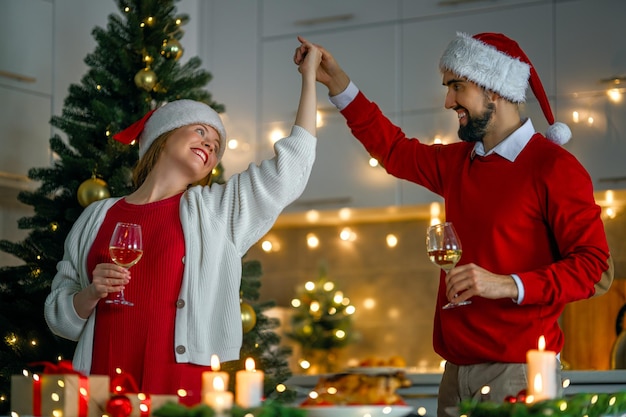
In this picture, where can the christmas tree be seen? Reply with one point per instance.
(134, 68)
(321, 322)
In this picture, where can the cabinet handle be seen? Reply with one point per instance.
(18, 77)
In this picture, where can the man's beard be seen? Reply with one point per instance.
(476, 127)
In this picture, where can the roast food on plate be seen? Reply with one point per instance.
(358, 389)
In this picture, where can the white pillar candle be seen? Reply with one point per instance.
(219, 399)
(249, 386)
(209, 376)
(542, 381)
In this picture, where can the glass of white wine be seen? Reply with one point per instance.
(444, 250)
(126, 249)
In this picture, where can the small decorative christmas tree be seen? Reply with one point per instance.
(321, 322)
(134, 68)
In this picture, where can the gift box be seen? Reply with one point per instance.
(142, 404)
(59, 391)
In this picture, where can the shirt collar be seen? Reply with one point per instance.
(512, 145)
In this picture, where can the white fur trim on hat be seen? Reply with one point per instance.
(487, 67)
(177, 114)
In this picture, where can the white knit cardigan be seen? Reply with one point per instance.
(220, 223)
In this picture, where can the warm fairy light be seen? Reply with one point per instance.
(314, 306)
(421, 411)
(126, 9)
(266, 245)
(369, 303)
(575, 117)
(350, 310)
(312, 216)
(340, 334)
(590, 121)
(328, 286)
(54, 226)
(309, 286)
(178, 21)
(485, 390)
(435, 212)
(296, 303)
(347, 235)
(118, 371)
(11, 339)
(615, 95)
(345, 213)
(98, 87)
(313, 394)
(280, 388)
(107, 133)
(373, 162)
(319, 119)
(610, 212)
(437, 140)
(304, 364)
(233, 144)
(338, 297)
(345, 301)
(38, 257)
(33, 343)
(392, 240)
(276, 135)
(331, 390)
(566, 382)
(312, 240)
(150, 20)
(55, 397)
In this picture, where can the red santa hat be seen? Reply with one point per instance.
(171, 116)
(497, 63)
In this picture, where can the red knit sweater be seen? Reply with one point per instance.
(535, 217)
(139, 339)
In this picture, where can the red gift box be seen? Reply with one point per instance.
(143, 404)
(59, 390)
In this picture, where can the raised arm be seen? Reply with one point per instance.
(306, 116)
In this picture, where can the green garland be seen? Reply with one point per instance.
(578, 405)
(269, 408)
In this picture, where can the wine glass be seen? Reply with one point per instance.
(126, 249)
(444, 250)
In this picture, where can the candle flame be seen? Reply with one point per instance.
(218, 384)
(215, 363)
(538, 383)
(542, 343)
(249, 364)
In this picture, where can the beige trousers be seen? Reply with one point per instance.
(465, 382)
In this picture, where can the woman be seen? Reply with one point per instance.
(185, 289)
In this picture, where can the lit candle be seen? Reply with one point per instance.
(542, 383)
(249, 386)
(219, 399)
(209, 376)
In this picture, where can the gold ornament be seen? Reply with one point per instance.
(91, 190)
(146, 79)
(172, 49)
(248, 317)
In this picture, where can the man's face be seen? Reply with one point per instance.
(472, 105)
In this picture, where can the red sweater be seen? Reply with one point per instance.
(535, 217)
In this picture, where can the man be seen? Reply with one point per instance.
(523, 206)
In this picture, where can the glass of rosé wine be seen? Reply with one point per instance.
(126, 249)
(444, 250)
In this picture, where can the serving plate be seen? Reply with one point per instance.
(357, 410)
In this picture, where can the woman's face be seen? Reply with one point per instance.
(192, 150)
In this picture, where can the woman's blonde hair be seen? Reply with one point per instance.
(146, 164)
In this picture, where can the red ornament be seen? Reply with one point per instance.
(119, 406)
(510, 399)
(521, 396)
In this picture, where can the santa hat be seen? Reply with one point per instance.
(497, 63)
(171, 116)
